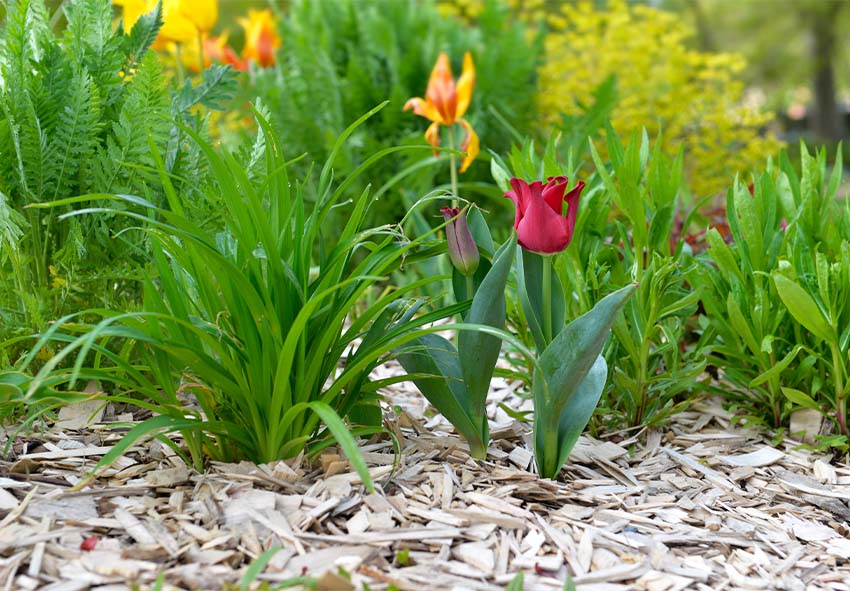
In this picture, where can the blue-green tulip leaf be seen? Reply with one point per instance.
(433, 364)
(479, 352)
(563, 367)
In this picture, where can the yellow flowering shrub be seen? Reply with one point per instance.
(694, 97)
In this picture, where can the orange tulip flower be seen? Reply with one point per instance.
(216, 50)
(261, 38)
(445, 103)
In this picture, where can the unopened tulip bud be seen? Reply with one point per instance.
(462, 248)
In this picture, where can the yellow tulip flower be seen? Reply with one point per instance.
(182, 20)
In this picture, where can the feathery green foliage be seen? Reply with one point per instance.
(79, 113)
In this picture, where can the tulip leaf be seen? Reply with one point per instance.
(803, 308)
(435, 368)
(478, 351)
(576, 414)
(480, 231)
(563, 367)
(459, 280)
(532, 277)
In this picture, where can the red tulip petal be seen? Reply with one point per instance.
(572, 207)
(553, 193)
(520, 198)
(542, 230)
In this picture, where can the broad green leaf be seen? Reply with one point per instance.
(479, 352)
(480, 230)
(801, 398)
(750, 225)
(740, 324)
(576, 414)
(563, 367)
(434, 362)
(723, 257)
(803, 308)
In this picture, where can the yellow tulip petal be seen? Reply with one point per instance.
(201, 13)
(432, 136)
(424, 108)
(465, 85)
(175, 26)
(470, 145)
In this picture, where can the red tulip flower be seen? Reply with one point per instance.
(540, 222)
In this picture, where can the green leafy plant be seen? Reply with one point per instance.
(652, 360)
(626, 232)
(775, 298)
(243, 329)
(78, 112)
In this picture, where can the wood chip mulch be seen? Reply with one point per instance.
(697, 505)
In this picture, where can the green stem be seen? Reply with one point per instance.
(550, 468)
(179, 59)
(202, 63)
(453, 165)
(547, 299)
(838, 378)
(470, 287)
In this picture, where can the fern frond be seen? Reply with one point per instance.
(143, 112)
(76, 136)
(90, 40)
(141, 37)
(12, 225)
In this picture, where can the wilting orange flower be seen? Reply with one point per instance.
(445, 103)
(182, 20)
(261, 38)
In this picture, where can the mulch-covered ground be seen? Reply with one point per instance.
(696, 505)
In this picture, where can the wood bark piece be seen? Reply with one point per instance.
(697, 504)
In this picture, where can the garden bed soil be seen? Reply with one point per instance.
(696, 505)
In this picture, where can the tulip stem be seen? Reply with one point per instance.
(179, 59)
(470, 286)
(453, 165)
(201, 56)
(547, 299)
